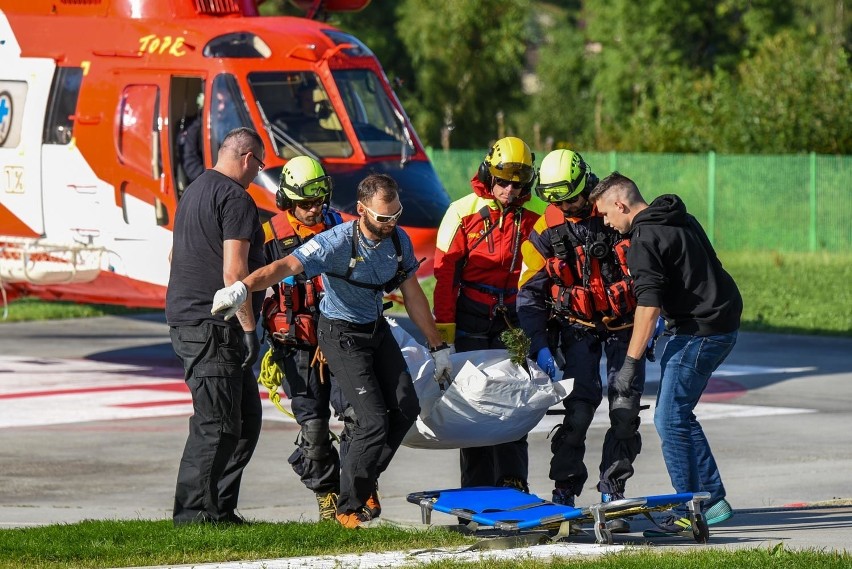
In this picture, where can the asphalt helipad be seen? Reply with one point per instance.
(93, 417)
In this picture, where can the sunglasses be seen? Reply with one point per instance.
(382, 218)
(507, 184)
(259, 161)
(309, 204)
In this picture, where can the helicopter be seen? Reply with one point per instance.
(96, 100)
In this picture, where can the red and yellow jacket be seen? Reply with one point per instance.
(478, 251)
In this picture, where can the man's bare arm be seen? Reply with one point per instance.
(644, 324)
(235, 268)
(272, 273)
(417, 307)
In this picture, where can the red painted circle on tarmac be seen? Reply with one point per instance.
(719, 390)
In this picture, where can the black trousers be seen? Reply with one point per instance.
(367, 364)
(224, 427)
(582, 351)
(478, 329)
(318, 468)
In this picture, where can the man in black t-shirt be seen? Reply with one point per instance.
(218, 240)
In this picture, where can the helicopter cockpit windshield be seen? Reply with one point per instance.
(302, 120)
(379, 126)
(298, 115)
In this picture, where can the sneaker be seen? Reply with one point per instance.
(676, 524)
(516, 483)
(611, 496)
(373, 506)
(615, 525)
(718, 512)
(563, 497)
(327, 502)
(353, 520)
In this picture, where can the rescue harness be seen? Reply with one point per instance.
(591, 284)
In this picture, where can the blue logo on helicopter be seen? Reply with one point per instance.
(5, 116)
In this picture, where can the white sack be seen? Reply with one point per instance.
(490, 401)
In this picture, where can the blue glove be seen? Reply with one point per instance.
(545, 361)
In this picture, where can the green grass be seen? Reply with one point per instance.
(94, 544)
(28, 309)
(798, 293)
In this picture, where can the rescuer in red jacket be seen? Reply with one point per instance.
(477, 265)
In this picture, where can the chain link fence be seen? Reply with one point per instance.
(789, 203)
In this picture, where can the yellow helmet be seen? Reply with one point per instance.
(563, 175)
(509, 159)
(302, 178)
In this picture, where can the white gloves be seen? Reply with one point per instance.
(443, 366)
(229, 299)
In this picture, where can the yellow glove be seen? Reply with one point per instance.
(447, 331)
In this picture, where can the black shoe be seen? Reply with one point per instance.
(235, 519)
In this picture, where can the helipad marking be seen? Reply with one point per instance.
(53, 391)
(417, 557)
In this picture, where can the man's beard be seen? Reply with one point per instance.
(382, 231)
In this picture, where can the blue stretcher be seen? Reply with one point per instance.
(512, 510)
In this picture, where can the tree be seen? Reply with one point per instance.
(468, 60)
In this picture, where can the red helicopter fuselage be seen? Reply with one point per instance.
(96, 104)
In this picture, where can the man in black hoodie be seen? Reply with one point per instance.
(676, 273)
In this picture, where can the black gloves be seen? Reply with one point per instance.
(251, 343)
(627, 375)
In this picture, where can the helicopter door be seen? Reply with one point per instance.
(24, 87)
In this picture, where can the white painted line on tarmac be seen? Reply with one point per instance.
(415, 557)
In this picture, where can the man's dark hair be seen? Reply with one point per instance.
(614, 180)
(380, 186)
(243, 139)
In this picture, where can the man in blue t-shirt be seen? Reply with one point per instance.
(359, 261)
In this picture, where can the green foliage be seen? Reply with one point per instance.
(467, 59)
(733, 76)
(517, 345)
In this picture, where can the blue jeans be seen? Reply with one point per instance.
(687, 363)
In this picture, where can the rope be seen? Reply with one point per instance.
(321, 363)
(270, 377)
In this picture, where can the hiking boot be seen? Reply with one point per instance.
(353, 520)
(327, 502)
(616, 525)
(675, 524)
(563, 497)
(718, 512)
(516, 483)
(373, 506)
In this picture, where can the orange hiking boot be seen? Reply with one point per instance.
(353, 520)
(373, 506)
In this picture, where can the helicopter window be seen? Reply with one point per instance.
(237, 45)
(62, 105)
(138, 133)
(380, 127)
(298, 115)
(227, 111)
(358, 48)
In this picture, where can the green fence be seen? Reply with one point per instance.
(750, 203)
